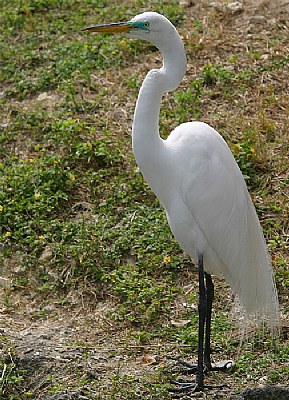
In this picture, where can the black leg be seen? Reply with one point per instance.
(206, 296)
(202, 308)
(210, 297)
(198, 385)
(224, 364)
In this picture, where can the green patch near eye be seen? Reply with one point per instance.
(140, 25)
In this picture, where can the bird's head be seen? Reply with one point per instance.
(149, 26)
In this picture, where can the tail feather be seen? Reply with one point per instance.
(256, 288)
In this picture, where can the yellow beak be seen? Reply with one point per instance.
(109, 28)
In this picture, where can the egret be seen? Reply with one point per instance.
(198, 182)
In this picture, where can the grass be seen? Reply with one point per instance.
(73, 205)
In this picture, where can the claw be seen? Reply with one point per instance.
(189, 368)
(184, 387)
(191, 387)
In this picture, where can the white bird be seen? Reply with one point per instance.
(197, 180)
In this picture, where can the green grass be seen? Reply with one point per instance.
(69, 183)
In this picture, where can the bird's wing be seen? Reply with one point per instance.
(216, 195)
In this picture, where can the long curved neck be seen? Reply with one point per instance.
(146, 140)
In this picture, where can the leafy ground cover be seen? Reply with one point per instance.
(95, 291)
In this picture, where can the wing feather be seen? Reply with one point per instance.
(216, 195)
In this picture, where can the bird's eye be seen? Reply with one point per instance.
(146, 24)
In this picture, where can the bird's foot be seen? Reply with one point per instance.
(189, 368)
(184, 387)
(181, 387)
(181, 366)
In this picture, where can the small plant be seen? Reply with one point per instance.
(213, 74)
(249, 153)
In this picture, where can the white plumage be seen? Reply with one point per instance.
(197, 180)
(194, 175)
(224, 227)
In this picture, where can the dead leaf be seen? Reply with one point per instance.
(148, 359)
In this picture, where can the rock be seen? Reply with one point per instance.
(48, 309)
(47, 254)
(4, 282)
(264, 393)
(43, 96)
(185, 3)
(235, 7)
(232, 8)
(218, 6)
(258, 19)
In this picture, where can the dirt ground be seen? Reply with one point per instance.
(78, 339)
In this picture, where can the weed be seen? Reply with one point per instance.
(249, 154)
(213, 74)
